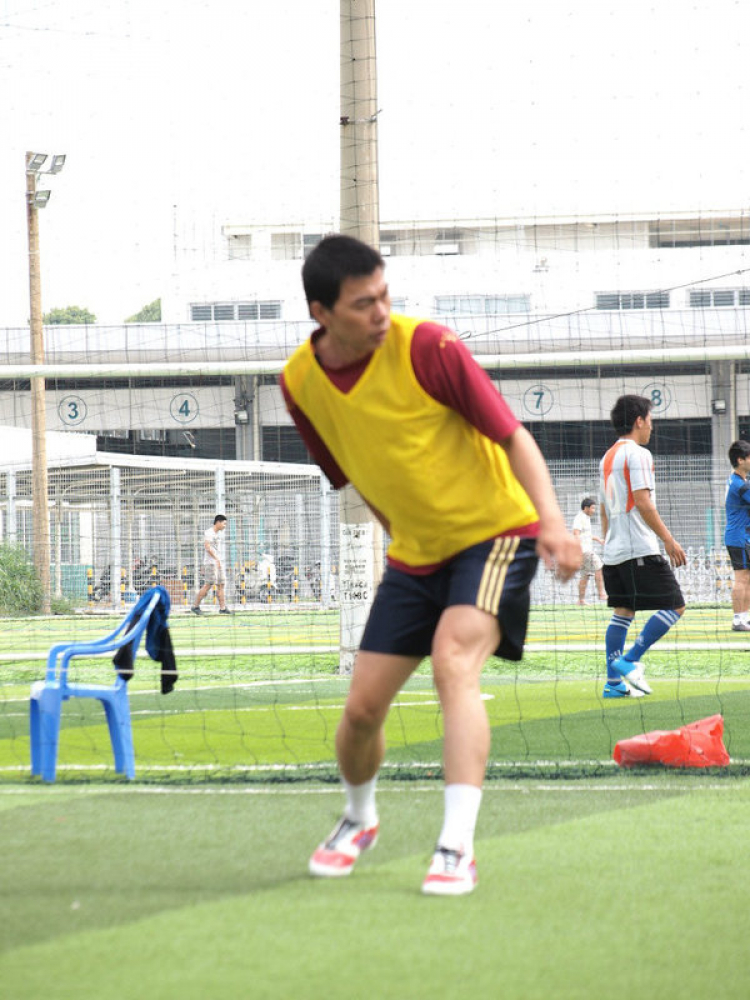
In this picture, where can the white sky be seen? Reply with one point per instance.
(192, 113)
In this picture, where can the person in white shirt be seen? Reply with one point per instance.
(214, 574)
(592, 564)
(636, 576)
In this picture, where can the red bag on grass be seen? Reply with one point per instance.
(698, 744)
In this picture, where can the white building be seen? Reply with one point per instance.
(509, 287)
(478, 268)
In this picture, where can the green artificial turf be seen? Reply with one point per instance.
(246, 703)
(626, 887)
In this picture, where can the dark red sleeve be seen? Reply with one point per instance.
(446, 370)
(313, 441)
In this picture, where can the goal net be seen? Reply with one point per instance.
(260, 692)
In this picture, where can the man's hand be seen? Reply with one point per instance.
(676, 553)
(647, 510)
(560, 551)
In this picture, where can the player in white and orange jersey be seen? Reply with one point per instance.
(636, 575)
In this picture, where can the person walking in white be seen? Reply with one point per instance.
(214, 573)
(592, 564)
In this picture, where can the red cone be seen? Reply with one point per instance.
(698, 744)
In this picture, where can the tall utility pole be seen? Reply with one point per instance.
(359, 203)
(361, 537)
(34, 201)
(38, 398)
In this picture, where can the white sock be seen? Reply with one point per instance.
(360, 802)
(461, 810)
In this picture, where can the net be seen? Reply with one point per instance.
(260, 692)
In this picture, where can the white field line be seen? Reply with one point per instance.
(255, 708)
(192, 652)
(523, 784)
(522, 787)
(728, 679)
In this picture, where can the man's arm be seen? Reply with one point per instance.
(555, 545)
(212, 552)
(647, 509)
(604, 519)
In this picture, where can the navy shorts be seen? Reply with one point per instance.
(739, 556)
(494, 576)
(644, 584)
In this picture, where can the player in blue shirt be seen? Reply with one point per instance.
(737, 532)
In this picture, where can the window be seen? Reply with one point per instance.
(722, 298)
(240, 247)
(699, 232)
(283, 444)
(227, 311)
(269, 310)
(632, 300)
(247, 310)
(481, 305)
(309, 242)
(388, 241)
(447, 242)
(286, 246)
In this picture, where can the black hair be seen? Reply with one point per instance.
(219, 517)
(738, 450)
(587, 502)
(331, 262)
(626, 411)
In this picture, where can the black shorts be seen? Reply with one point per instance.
(644, 584)
(494, 576)
(739, 556)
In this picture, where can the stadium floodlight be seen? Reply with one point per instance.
(40, 199)
(58, 162)
(35, 162)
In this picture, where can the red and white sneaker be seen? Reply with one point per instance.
(451, 873)
(336, 856)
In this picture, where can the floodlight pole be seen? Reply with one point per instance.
(42, 553)
(361, 539)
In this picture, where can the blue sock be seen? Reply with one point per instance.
(614, 640)
(657, 626)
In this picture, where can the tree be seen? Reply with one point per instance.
(70, 314)
(149, 314)
(20, 589)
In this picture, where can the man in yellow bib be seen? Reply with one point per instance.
(399, 408)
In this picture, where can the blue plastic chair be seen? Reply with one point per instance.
(48, 695)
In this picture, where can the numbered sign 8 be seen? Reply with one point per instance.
(659, 395)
